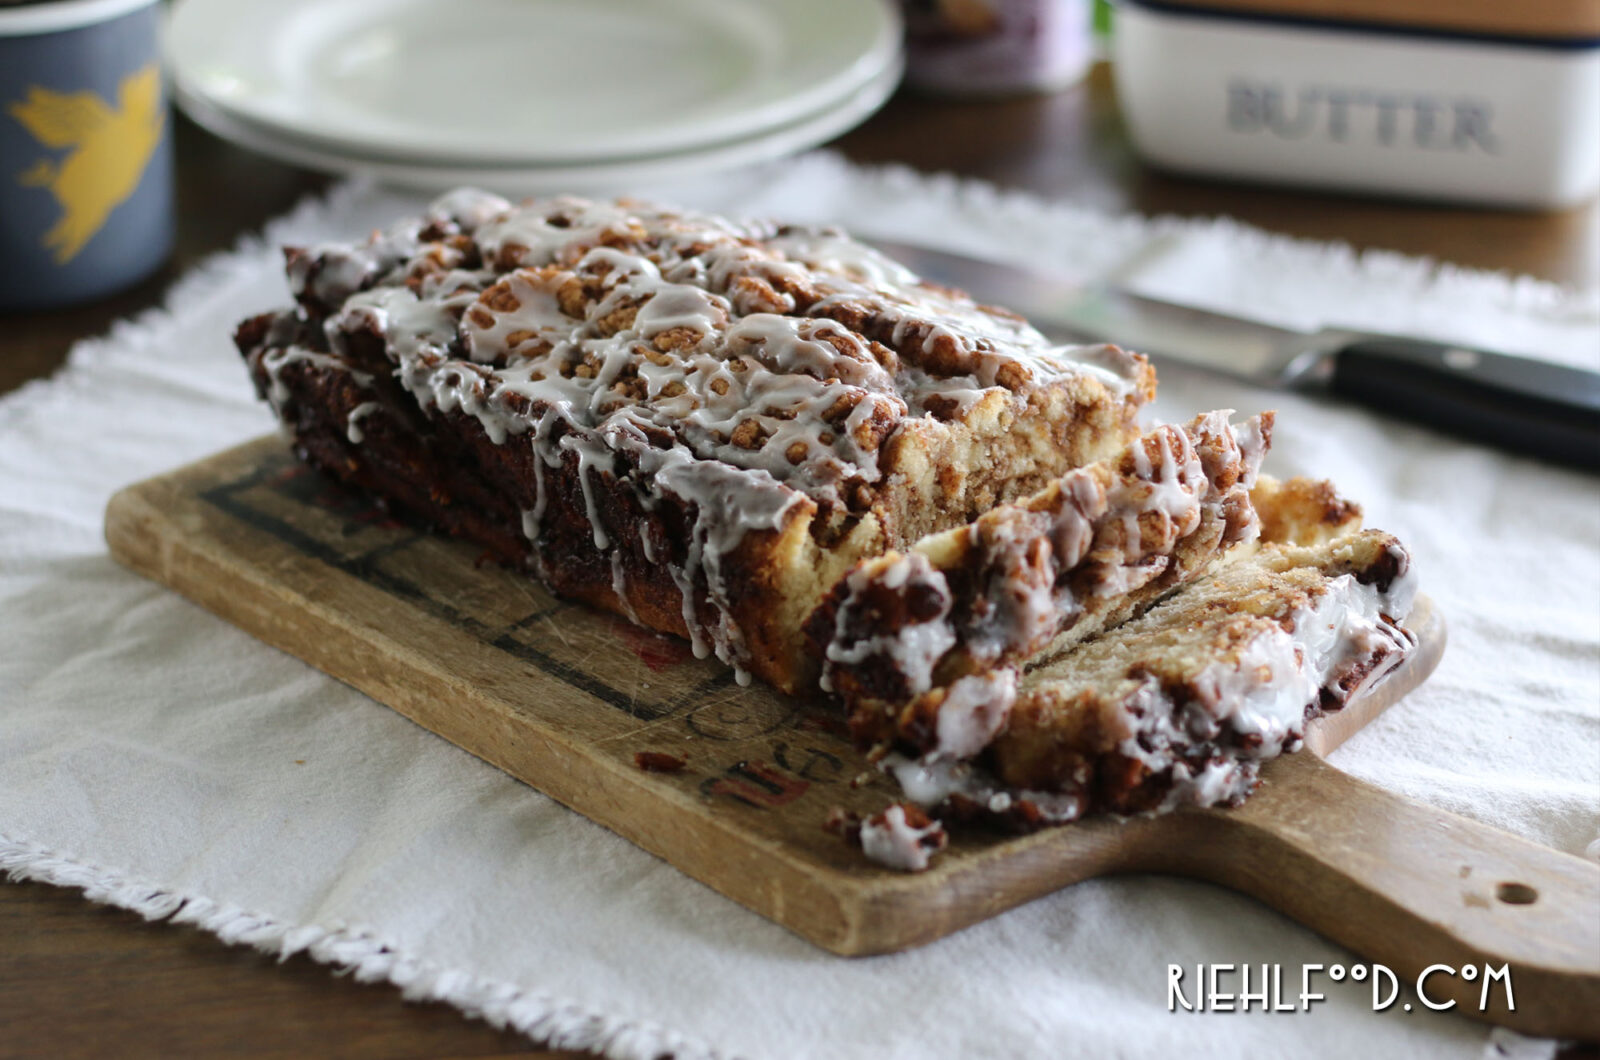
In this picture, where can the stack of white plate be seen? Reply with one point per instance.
(531, 95)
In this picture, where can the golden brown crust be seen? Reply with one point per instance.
(1302, 511)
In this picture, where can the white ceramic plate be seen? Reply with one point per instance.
(526, 180)
(526, 82)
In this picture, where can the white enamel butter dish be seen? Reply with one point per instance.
(1471, 100)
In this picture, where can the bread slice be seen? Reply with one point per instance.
(919, 645)
(1183, 704)
(698, 424)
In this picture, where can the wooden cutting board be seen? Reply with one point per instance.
(563, 698)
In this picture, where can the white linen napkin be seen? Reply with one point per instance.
(164, 761)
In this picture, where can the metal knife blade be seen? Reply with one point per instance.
(1537, 407)
(1077, 312)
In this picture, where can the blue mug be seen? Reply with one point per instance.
(85, 150)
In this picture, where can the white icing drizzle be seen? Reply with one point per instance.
(466, 208)
(832, 249)
(974, 710)
(619, 587)
(1253, 440)
(890, 840)
(915, 648)
(931, 780)
(274, 359)
(1400, 597)
(352, 423)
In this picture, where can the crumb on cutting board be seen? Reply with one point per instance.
(658, 762)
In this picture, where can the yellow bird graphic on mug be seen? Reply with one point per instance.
(109, 151)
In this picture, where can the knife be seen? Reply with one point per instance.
(1537, 408)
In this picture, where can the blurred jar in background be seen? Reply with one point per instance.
(996, 47)
(85, 150)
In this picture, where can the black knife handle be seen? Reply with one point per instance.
(1532, 407)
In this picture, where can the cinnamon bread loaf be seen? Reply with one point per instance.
(698, 424)
(790, 450)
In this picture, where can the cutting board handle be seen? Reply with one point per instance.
(1410, 887)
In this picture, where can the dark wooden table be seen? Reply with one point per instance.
(78, 979)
